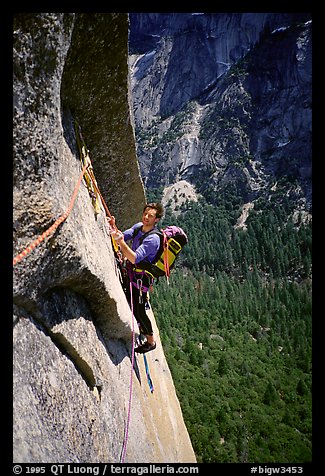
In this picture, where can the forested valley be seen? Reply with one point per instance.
(235, 322)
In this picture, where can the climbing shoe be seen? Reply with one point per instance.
(146, 347)
(140, 340)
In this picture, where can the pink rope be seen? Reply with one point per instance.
(126, 435)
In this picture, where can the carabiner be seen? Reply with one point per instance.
(139, 285)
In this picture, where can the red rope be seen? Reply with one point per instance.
(50, 230)
(42, 237)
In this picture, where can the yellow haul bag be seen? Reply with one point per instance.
(173, 249)
(172, 241)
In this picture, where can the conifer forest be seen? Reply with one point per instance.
(235, 322)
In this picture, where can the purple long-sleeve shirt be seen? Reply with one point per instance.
(148, 248)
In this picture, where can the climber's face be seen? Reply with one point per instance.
(149, 217)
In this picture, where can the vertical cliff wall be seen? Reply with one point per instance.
(224, 99)
(72, 324)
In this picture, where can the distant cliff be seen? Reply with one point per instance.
(72, 324)
(223, 100)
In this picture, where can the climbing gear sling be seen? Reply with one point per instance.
(89, 176)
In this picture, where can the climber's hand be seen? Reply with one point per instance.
(117, 235)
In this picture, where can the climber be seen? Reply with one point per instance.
(142, 249)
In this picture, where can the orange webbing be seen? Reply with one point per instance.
(166, 263)
(82, 147)
(50, 230)
(98, 191)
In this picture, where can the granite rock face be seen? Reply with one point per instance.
(224, 99)
(73, 327)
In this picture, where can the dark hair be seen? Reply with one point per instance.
(156, 206)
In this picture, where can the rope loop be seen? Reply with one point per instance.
(53, 227)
